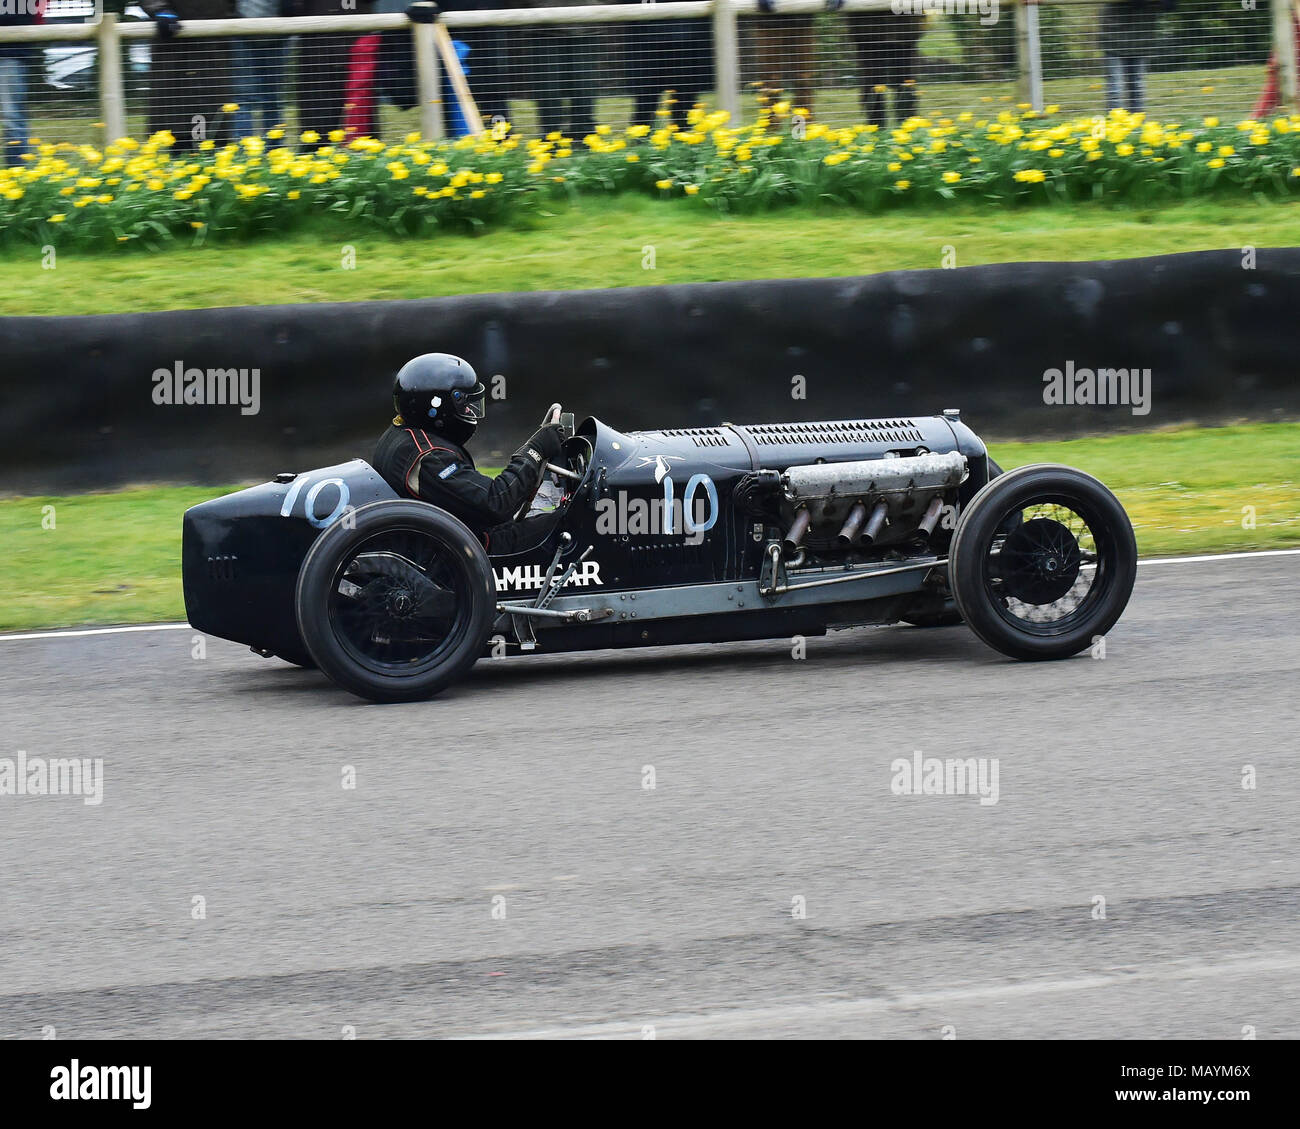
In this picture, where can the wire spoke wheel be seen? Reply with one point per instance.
(1044, 570)
(1042, 562)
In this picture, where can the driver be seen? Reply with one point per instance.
(439, 402)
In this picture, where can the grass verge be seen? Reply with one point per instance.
(603, 243)
(115, 558)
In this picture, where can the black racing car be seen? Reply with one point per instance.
(686, 535)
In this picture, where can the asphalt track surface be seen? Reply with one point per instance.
(371, 909)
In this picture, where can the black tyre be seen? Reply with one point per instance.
(1043, 561)
(396, 604)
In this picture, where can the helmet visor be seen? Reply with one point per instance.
(471, 403)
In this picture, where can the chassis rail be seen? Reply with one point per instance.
(870, 583)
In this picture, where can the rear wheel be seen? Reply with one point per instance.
(1042, 562)
(396, 604)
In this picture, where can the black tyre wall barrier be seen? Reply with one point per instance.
(1215, 330)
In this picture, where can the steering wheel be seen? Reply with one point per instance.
(554, 414)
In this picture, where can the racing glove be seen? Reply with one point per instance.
(168, 22)
(545, 445)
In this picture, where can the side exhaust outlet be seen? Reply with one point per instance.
(931, 517)
(852, 524)
(876, 524)
(800, 526)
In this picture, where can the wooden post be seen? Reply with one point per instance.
(112, 99)
(1022, 53)
(429, 78)
(1284, 52)
(1035, 45)
(726, 58)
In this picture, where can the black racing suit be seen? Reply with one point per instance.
(434, 469)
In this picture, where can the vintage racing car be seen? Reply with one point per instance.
(687, 535)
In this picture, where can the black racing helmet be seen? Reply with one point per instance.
(442, 392)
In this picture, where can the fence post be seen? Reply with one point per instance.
(112, 100)
(1284, 51)
(1029, 55)
(429, 79)
(726, 58)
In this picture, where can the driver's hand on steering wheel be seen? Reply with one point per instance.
(549, 441)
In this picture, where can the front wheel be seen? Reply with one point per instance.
(395, 603)
(1042, 562)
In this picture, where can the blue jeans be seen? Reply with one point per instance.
(1125, 76)
(13, 108)
(259, 63)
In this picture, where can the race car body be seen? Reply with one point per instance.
(670, 536)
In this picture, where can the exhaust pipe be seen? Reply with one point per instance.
(801, 522)
(931, 517)
(852, 524)
(875, 524)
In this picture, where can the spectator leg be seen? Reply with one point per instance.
(1137, 73)
(360, 101)
(1114, 82)
(803, 62)
(581, 82)
(768, 55)
(322, 72)
(544, 66)
(13, 109)
(1270, 96)
(644, 76)
(246, 63)
(906, 60)
(273, 60)
(871, 78)
(684, 104)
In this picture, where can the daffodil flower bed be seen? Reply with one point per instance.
(150, 194)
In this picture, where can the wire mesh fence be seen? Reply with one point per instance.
(1179, 61)
(867, 61)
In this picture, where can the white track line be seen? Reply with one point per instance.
(186, 626)
(1219, 557)
(96, 631)
(772, 1019)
